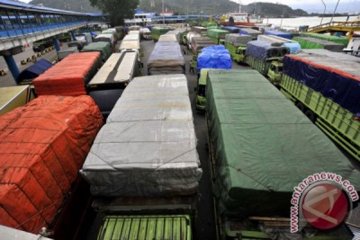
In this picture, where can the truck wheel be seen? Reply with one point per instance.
(300, 106)
(310, 115)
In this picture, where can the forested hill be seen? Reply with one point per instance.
(212, 7)
(217, 7)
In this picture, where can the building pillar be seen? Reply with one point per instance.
(72, 36)
(10, 61)
(56, 44)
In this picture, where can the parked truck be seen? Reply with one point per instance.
(236, 44)
(143, 168)
(327, 91)
(260, 55)
(260, 148)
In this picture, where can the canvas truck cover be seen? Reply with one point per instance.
(103, 47)
(278, 34)
(34, 71)
(166, 57)
(293, 46)
(314, 43)
(214, 57)
(168, 37)
(340, 40)
(231, 29)
(263, 50)
(197, 43)
(263, 145)
(249, 31)
(69, 76)
(216, 33)
(237, 39)
(148, 145)
(334, 75)
(42, 146)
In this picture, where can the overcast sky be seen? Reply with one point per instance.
(307, 5)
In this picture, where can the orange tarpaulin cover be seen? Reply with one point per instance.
(42, 147)
(67, 78)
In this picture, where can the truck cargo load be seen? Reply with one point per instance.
(249, 31)
(166, 58)
(216, 34)
(130, 42)
(231, 29)
(336, 39)
(264, 50)
(325, 85)
(109, 82)
(33, 71)
(278, 33)
(334, 75)
(293, 46)
(103, 47)
(315, 43)
(147, 147)
(198, 43)
(214, 57)
(237, 39)
(156, 32)
(13, 97)
(262, 146)
(42, 147)
(68, 77)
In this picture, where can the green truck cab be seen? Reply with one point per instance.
(200, 101)
(239, 55)
(275, 71)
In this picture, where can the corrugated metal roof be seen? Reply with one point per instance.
(29, 7)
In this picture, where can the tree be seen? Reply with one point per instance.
(118, 10)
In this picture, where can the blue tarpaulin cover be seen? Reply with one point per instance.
(333, 75)
(34, 70)
(262, 50)
(214, 57)
(294, 47)
(278, 33)
(231, 29)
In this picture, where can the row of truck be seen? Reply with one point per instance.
(268, 53)
(132, 139)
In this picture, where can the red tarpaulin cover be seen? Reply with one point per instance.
(42, 147)
(67, 78)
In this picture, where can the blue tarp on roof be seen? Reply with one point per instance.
(262, 50)
(279, 34)
(214, 57)
(294, 47)
(34, 70)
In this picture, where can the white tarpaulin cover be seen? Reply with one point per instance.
(148, 145)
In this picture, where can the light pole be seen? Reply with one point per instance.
(324, 11)
(337, 4)
(163, 11)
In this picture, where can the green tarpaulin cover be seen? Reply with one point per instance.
(340, 40)
(263, 145)
(103, 47)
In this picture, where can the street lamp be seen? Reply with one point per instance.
(163, 11)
